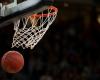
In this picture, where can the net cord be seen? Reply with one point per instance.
(34, 37)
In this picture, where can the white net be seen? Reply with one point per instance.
(30, 30)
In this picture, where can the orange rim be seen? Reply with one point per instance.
(54, 9)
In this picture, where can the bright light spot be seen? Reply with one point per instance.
(98, 19)
(66, 4)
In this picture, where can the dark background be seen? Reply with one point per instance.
(70, 50)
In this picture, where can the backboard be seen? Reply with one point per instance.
(14, 9)
(18, 8)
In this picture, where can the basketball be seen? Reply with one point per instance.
(12, 62)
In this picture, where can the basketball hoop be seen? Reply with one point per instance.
(29, 30)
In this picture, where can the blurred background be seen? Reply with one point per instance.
(70, 50)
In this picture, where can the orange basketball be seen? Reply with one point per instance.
(12, 62)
